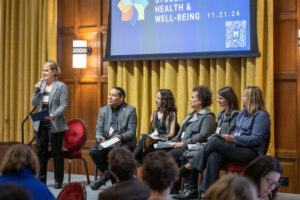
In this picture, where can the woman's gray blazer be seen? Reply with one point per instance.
(58, 101)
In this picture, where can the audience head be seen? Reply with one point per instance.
(50, 69)
(165, 101)
(228, 99)
(201, 96)
(231, 187)
(265, 172)
(14, 192)
(122, 164)
(253, 100)
(116, 96)
(17, 157)
(159, 171)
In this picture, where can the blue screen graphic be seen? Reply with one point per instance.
(163, 27)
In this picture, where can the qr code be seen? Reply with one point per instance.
(236, 33)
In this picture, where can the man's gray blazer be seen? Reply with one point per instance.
(127, 122)
(58, 101)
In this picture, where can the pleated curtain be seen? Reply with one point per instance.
(28, 37)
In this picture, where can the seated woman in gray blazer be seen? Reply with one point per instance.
(227, 99)
(51, 95)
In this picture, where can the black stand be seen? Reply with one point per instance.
(27, 117)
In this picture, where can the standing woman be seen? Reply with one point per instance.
(248, 140)
(163, 122)
(51, 95)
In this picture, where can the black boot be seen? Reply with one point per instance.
(101, 181)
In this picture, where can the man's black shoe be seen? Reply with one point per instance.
(58, 185)
(98, 183)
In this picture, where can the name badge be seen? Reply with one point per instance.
(111, 130)
(218, 130)
(237, 134)
(182, 135)
(46, 98)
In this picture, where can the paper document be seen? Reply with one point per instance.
(110, 142)
(194, 147)
(39, 115)
(163, 145)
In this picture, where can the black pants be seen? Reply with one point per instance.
(100, 157)
(215, 154)
(43, 137)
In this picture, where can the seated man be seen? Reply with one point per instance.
(122, 166)
(117, 119)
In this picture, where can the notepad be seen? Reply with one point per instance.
(163, 145)
(109, 143)
(39, 115)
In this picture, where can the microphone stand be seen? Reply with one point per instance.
(26, 118)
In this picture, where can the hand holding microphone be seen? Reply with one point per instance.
(38, 86)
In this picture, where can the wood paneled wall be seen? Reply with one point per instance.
(84, 20)
(287, 90)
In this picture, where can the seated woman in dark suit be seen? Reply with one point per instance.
(247, 141)
(227, 99)
(162, 123)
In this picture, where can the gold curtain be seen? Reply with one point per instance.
(28, 37)
(142, 79)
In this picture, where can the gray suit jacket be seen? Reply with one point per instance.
(127, 122)
(197, 128)
(58, 101)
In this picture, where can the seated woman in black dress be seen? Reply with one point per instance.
(247, 141)
(162, 123)
(227, 99)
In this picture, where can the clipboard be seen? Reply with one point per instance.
(39, 115)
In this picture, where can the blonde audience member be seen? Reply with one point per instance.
(232, 187)
(20, 166)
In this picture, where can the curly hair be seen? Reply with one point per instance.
(19, 156)
(167, 102)
(260, 167)
(232, 187)
(204, 95)
(122, 163)
(159, 170)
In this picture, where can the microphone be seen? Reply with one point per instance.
(37, 90)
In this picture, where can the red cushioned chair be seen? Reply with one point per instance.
(74, 140)
(72, 191)
(238, 167)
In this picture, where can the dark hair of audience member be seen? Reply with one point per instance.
(167, 102)
(231, 187)
(14, 192)
(229, 94)
(259, 168)
(204, 95)
(159, 170)
(18, 156)
(122, 163)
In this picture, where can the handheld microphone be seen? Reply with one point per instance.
(37, 90)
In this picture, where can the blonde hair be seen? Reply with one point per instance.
(255, 99)
(53, 66)
(232, 187)
(19, 156)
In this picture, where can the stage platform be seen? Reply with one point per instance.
(93, 194)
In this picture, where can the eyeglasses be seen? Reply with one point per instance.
(272, 182)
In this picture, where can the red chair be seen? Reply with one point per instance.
(74, 140)
(238, 167)
(73, 191)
